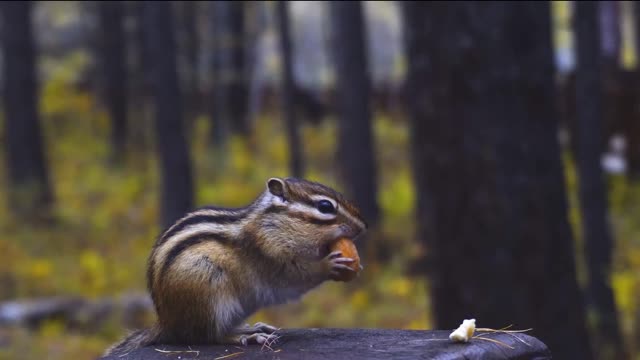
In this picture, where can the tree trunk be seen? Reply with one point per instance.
(141, 50)
(632, 124)
(141, 131)
(176, 178)
(355, 154)
(30, 193)
(593, 197)
(614, 89)
(491, 203)
(219, 129)
(287, 93)
(189, 44)
(114, 72)
(231, 93)
(610, 29)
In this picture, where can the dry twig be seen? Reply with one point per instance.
(197, 352)
(229, 356)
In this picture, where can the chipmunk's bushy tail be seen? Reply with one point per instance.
(135, 340)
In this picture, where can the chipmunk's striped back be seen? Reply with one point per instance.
(215, 266)
(212, 223)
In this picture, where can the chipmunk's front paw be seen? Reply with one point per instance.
(337, 265)
(255, 338)
(258, 327)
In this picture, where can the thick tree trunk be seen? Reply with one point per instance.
(176, 178)
(30, 192)
(491, 207)
(287, 92)
(593, 197)
(114, 72)
(355, 154)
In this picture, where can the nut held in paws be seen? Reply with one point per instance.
(348, 249)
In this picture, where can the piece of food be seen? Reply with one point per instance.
(348, 249)
(464, 332)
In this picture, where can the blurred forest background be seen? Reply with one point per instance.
(494, 147)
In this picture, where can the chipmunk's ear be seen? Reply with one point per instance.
(276, 187)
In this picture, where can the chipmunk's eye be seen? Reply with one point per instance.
(326, 207)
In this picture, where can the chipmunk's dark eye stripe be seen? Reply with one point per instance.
(311, 219)
(275, 210)
(309, 202)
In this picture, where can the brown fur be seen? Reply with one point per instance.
(134, 340)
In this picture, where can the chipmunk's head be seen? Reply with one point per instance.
(302, 218)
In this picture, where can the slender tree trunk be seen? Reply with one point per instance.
(219, 123)
(231, 93)
(93, 41)
(287, 93)
(141, 122)
(628, 108)
(30, 191)
(257, 82)
(189, 44)
(355, 139)
(176, 178)
(593, 197)
(491, 207)
(614, 89)
(192, 46)
(610, 29)
(141, 85)
(632, 124)
(114, 72)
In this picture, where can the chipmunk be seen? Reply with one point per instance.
(215, 267)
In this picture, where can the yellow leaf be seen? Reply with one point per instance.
(41, 269)
(401, 287)
(360, 299)
(624, 286)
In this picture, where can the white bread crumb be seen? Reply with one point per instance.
(464, 332)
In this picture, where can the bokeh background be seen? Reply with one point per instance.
(494, 147)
